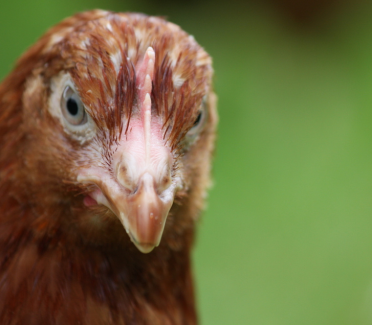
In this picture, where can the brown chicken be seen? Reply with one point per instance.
(107, 127)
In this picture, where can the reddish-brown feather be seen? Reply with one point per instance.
(56, 266)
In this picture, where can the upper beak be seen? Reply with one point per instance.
(147, 213)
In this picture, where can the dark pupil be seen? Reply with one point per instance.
(198, 119)
(72, 106)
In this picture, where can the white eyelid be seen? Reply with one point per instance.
(81, 133)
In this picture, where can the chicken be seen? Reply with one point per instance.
(107, 128)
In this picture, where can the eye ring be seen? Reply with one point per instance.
(73, 108)
(199, 121)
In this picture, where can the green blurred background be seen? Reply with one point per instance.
(287, 237)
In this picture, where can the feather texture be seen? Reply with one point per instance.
(63, 261)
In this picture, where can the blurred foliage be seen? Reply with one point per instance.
(287, 236)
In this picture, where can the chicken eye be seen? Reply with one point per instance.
(199, 122)
(198, 119)
(72, 107)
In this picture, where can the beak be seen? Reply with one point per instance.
(143, 211)
(138, 186)
(147, 214)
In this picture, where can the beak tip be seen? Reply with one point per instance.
(143, 248)
(150, 236)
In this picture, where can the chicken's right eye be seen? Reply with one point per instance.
(72, 107)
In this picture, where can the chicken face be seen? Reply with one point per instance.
(126, 120)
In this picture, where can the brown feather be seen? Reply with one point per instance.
(64, 263)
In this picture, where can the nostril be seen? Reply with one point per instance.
(123, 169)
(165, 183)
(124, 178)
(135, 190)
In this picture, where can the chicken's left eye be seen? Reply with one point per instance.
(72, 107)
(199, 122)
